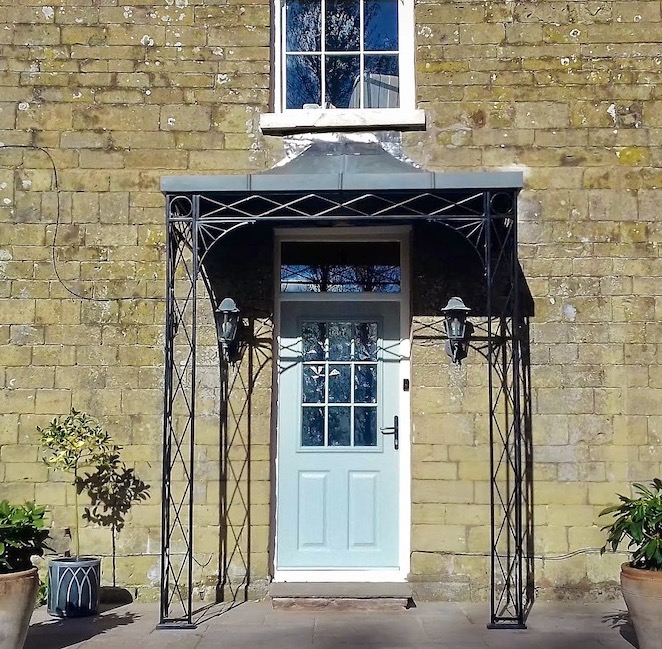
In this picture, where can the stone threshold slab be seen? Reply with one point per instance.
(358, 590)
(340, 596)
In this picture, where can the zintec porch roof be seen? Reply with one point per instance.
(345, 165)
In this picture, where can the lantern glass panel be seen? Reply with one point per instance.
(456, 327)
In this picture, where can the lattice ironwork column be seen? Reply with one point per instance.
(179, 414)
(506, 394)
(189, 240)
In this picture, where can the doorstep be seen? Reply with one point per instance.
(340, 596)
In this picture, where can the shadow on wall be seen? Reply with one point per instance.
(445, 263)
(241, 266)
(112, 488)
(239, 411)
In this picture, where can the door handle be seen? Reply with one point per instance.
(393, 430)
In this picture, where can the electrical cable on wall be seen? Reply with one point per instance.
(538, 557)
(57, 225)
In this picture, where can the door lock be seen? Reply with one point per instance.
(393, 430)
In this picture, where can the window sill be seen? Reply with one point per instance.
(373, 119)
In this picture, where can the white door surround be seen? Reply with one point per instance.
(345, 235)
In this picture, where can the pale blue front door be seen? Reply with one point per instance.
(337, 462)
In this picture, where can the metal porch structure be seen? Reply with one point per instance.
(352, 184)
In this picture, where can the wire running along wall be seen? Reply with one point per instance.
(487, 220)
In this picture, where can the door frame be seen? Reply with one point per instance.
(402, 235)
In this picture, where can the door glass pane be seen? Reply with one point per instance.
(340, 341)
(365, 383)
(342, 25)
(339, 426)
(313, 383)
(303, 26)
(304, 84)
(314, 335)
(340, 383)
(339, 367)
(381, 25)
(312, 426)
(365, 341)
(365, 426)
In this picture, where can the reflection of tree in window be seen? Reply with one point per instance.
(342, 36)
(326, 278)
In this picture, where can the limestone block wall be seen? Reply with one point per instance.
(99, 99)
(568, 93)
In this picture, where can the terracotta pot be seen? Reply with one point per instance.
(18, 595)
(642, 592)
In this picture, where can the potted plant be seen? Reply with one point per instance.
(22, 535)
(71, 443)
(639, 520)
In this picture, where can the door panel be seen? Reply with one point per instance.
(338, 486)
(313, 518)
(362, 509)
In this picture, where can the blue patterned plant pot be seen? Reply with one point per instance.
(73, 586)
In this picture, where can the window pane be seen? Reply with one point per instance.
(314, 335)
(343, 268)
(365, 426)
(303, 80)
(341, 73)
(381, 25)
(339, 426)
(342, 25)
(386, 64)
(340, 341)
(304, 26)
(340, 382)
(312, 426)
(382, 84)
(365, 384)
(313, 383)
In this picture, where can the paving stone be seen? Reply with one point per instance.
(255, 624)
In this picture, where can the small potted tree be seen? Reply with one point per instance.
(71, 443)
(22, 535)
(639, 520)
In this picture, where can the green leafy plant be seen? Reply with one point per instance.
(73, 442)
(638, 519)
(42, 593)
(22, 534)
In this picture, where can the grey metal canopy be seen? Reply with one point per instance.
(352, 183)
(345, 165)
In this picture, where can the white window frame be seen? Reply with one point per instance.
(405, 117)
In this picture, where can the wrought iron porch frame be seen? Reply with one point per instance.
(196, 222)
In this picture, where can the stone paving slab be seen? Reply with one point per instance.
(256, 625)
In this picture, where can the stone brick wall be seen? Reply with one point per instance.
(568, 93)
(120, 95)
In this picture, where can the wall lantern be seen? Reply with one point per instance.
(455, 314)
(227, 323)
